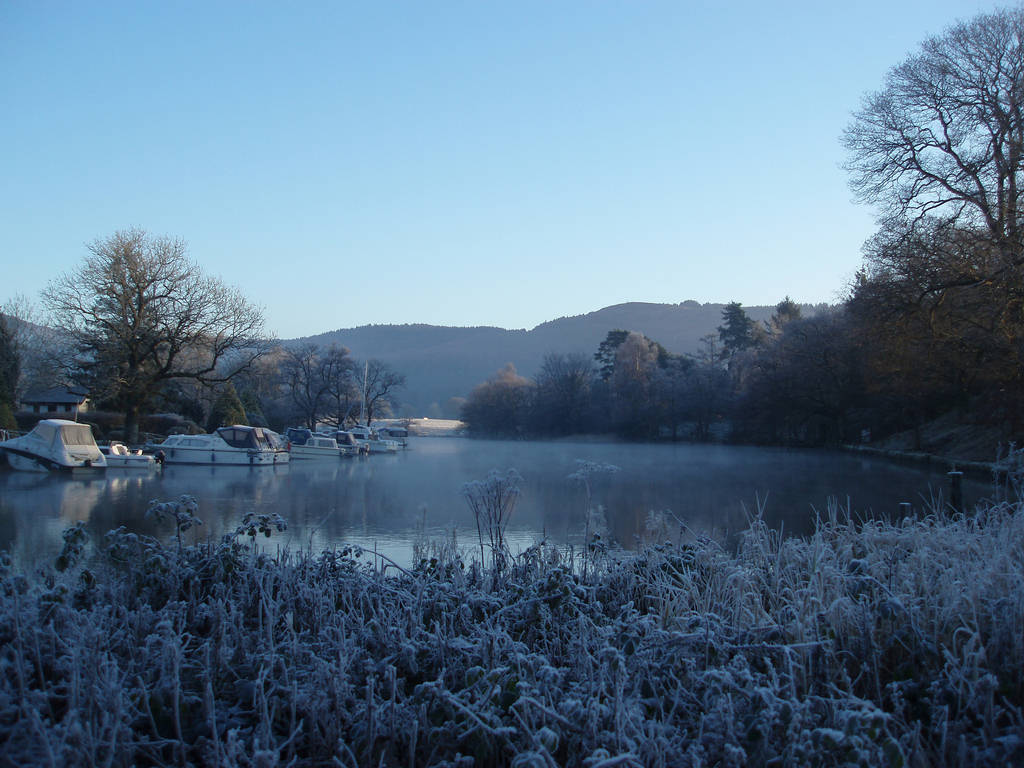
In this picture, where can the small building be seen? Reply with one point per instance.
(66, 402)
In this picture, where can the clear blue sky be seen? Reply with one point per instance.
(455, 163)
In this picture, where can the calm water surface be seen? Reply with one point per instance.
(379, 501)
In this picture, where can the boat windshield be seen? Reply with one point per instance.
(76, 434)
(298, 436)
(45, 432)
(238, 437)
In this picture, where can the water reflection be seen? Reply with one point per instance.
(379, 501)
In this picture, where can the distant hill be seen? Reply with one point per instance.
(442, 362)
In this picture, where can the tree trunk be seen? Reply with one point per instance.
(131, 424)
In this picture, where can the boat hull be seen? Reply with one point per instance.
(223, 456)
(131, 462)
(313, 452)
(28, 462)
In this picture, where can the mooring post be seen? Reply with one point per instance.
(905, 510)
(956, 491)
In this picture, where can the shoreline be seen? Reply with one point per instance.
(975, 469)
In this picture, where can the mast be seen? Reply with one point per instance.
(362, 407)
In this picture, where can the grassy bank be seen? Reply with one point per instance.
(864, 644)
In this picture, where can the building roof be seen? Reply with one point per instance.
(58, 395)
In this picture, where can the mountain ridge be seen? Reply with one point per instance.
(443, 362)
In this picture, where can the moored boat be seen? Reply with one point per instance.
(315, 447)
(374, 444)
(348, 445)
(54, 444)
(394, 432)
(119, 456)
(235, 445)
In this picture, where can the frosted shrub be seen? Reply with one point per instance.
(863, 644)
(75, 540)
(492, 502)
(595, 526)
(254, 524)
(183, 513)
(1008, 473)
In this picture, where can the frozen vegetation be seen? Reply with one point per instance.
(867, 643)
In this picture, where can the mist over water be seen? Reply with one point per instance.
(380, 501)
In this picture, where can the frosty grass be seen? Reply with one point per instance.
(867, 643)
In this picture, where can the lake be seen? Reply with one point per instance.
(380, 501)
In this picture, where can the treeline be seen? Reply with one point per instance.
(292, 385)
(160, 345)
(633, 387)
(286, 386)
(883, 361)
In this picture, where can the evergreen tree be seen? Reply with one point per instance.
(253, 410)
(785, 312)
(737, 329)
(227, 409)
(10, 365)
(606, 352)
(7, 420)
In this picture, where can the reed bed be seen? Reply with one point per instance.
(866, 643)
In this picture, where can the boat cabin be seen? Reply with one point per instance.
(254, 438)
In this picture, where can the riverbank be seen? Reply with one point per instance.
(982, 470)
(949, 443)
(436, 427)
(862, 644)
(952, 438)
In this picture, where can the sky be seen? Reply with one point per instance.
(451, 163)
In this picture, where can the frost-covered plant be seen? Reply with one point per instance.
(254, 524)
(183, 513)
(865, 643)
(76, 538)
(1008, 473)
(584, 475)
(420, 542)
(492, 502)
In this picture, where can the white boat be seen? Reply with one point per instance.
(236, 445)
(395, 433)
(118, 456)
(374, 444)
(279, 443)
(54, 444)
(348, 445)
(316, 447)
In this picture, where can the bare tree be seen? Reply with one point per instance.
(943, 142)
(337, 371)
(562, 397)
(302, 370)
(940, 151)
(140, 313)
(379, 385)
